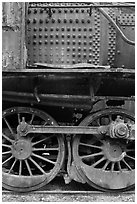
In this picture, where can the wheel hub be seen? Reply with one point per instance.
(21, 149)
(113, 151)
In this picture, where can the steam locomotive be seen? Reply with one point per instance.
(68, 93)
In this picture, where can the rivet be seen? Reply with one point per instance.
(74, 36)
(74, 29)
(77, 21)
(65, 20)
(46, 21)
(59, 20)
(79, 42)
(62, 42)
(35, 29)
(28, 21)
(68, 29)
(71, 21)
(41, 10)
(73, 49)
(73, 54)
(34, 20)
(40, 36)
(40, 29)
(79, 48)
(34, 36)
(88, 21)
(53, 20)
(62, 29)
(82, 21)
(29, 11)
(40, 42)
(53, 11)
(71, 10)
(79, 29)
(35, 11)
(34, 42)
(45, 35)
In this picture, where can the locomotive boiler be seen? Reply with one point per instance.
(68, 93)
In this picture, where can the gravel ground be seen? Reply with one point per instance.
(58, 185)
(68, 198)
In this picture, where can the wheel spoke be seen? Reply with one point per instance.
(43, 158)
(90, 145)
(7, 160)
(130, 157)
(106, 164)
(112, 166)
(37, 165)
(42, 140)
(99, 161)
(32, 118)
(7, 138)
(12, 166)
(5, 145)
(28, 167)
(98, 121)
(45, 123)
(119, 165)
(46, 149)
(8, 125)
(126, 164)
(19, 121)
(110, 118)
(91, 155)
(20, 167)
(8, 152)
(130, 150)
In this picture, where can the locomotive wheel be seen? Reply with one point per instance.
(105, 163)
(32, 161)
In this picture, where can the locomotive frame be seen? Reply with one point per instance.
(90, 93)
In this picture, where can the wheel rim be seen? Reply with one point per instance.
(32, 161)
(105, 163)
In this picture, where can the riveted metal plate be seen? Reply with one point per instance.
(112, 39)
(127, 19)
(62, 35)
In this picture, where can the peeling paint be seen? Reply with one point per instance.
(13, 37)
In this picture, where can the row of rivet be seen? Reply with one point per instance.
(51, 42)
(47, 20)
(112, 40)
(44, 10)
(96, 38)
(62, 36)
(68, 29)
(126, 19)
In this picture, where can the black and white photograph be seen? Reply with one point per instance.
(68, 101)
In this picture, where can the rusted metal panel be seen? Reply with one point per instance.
(13, 35)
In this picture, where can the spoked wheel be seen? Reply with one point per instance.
(32, 161)
(105, 163)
